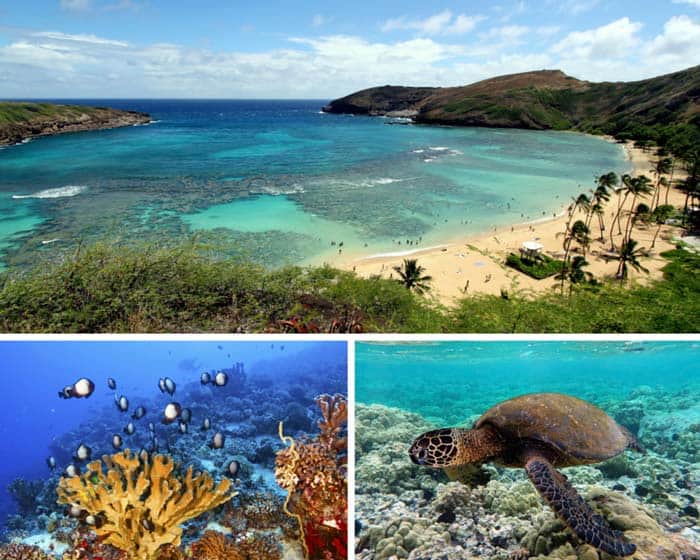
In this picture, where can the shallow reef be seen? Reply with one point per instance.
(406, 511)
(185, 500)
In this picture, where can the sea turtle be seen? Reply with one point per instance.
(540, 432)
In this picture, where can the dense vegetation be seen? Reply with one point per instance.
(541, 267)
(187, 289)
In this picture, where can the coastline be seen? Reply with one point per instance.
(475, 264)
(65, 119)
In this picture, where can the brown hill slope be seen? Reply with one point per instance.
(545, 99)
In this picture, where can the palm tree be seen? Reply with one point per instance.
(574, 273)
(601, 194)
(623, 190)
(639, 186)
(629, 255)
(659, 216)
(411, 276)
(662, 167)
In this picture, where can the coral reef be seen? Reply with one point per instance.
(313, 473)
(139, 502)
(404, 512)
(216, 546)
(16, 551)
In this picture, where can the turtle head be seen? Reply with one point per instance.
(437, 448)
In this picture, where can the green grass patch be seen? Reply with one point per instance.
(540, 268)
(193, 288)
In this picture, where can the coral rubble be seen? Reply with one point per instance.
(139, 501)
(313, 472)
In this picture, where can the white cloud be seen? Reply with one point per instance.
(442, 23)
(575, 7)
(92, 39)
(57, 64)
(695, 3)
(677, 47)
(613, 40)
(76, 5)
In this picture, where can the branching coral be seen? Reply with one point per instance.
(215, 546)
(139, 501)
(314, 475)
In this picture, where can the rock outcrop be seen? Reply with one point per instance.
(20, 121)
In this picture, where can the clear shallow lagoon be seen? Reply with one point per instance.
(279, 181)
(450, 382)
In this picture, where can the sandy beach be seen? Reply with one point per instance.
(476, 264)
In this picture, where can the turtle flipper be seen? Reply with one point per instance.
(589, 526)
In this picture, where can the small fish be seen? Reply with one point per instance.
(51, 462)
(129, 429)
(151, 427)
(122, 403)
(221, 379)
(217, 441)
(282, 348)
(116, 441)
(74, 511)
(148, 525)
(154, 444)
(219, 347)
(139, 413)
(161, 385)
(83, 388)
(206, 424)
(171, 412)
(233, 467)
(205, 378)
(66, 392)
(182, 426)
(111, 383)
(83, 453)
(186, 414)
(71, 470)
(169, 386)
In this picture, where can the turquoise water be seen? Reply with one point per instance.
(452, 382)
(280, 182)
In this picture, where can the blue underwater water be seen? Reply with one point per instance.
(451, 382)
(279, 181)
(274, 381)
(646, 495)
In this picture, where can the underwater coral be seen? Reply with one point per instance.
(406, 511)
(314, 474)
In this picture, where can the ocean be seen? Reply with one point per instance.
(268, 383)
(652, 389)
(280, 182)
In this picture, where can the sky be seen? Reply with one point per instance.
(322, 50)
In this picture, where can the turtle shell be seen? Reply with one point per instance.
(578, 430)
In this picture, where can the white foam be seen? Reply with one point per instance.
(418, 151)
(60, 192)
(49, 241)
(438, 148)
(280, 191)
(385, 181)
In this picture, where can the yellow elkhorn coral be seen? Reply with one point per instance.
(139, 502)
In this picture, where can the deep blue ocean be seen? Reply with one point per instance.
(281, 182)
(276, 381)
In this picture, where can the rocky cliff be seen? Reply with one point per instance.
(19, 121)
